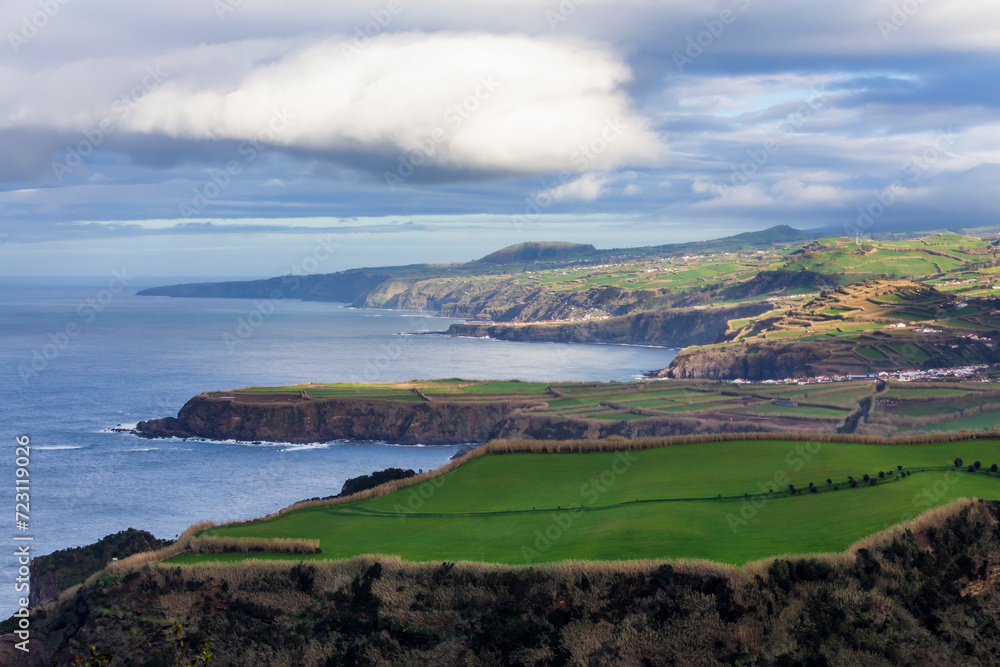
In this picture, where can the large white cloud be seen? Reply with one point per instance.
(472, 102)
(476, 101)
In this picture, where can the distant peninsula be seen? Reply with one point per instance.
(775, 304)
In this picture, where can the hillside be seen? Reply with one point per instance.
(865, 327)
(533, 252)
(55, 572)
(530, 281)
(769, 311)
(777, 235)
(573, 292)
(923, 593)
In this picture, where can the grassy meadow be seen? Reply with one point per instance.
(720, 501)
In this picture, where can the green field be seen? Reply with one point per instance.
(682, 501)
(901, 407)
(988, 419)
(799, 410)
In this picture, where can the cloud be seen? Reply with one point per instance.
(475, 102)
(587, 188)
(576, 102)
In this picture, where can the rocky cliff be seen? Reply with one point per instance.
(509, 300)
(671, 328)
(749, 361)
(775, 360)
(403, 422)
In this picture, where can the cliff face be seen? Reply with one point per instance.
(502, 300)
(749, 361)
(509, 300)
(404, 422)
(672, 328)
(767, 360)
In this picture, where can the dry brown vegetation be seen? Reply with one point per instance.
(253, 545)
(138, 560)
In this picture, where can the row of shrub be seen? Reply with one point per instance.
(253, 545)
(871, 480)
(976, 465)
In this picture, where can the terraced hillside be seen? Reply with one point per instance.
(865, 327)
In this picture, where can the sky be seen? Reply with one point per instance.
(257, 137)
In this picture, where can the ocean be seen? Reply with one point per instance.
(82, 356)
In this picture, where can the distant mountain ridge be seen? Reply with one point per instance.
(454, 290)
(534, 251)
(737, 242)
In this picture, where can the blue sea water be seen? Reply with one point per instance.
(82, 356)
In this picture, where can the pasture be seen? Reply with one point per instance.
(722, 501)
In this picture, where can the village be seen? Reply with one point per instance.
(969, 372)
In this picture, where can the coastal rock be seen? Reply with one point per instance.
(751, 361)
(302, 421)
(672, 328)
(402, 422)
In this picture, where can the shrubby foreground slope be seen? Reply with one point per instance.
(920, 595)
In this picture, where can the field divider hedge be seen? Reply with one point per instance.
(891, 477)
(253, 545)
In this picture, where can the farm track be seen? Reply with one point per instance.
(865, 405)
